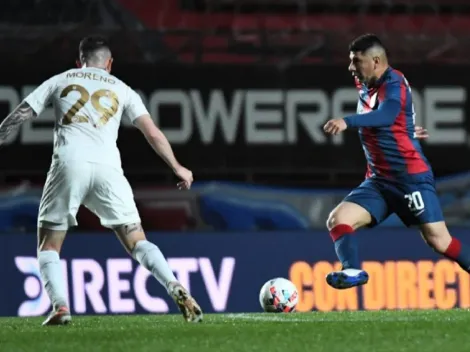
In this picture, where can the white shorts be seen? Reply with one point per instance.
(102, 189)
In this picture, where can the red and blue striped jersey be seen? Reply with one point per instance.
(386, 122)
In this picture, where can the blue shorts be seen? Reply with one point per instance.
(414, 203)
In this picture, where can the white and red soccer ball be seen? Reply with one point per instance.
(278, 295)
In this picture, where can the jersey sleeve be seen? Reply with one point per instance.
(134, 106)
(39, 98)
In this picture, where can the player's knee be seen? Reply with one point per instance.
(331, 221)
(339, 218)
(336, 218)
(348, 214)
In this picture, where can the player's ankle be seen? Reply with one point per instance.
(172, 284)
(60, 306)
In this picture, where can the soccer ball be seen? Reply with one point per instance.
(278, 295)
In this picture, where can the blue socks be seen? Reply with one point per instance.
(346, 246)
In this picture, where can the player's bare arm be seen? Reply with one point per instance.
(162, 147)
(12, 122)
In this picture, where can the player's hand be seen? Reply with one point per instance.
(335, 126)
(186, 177)
(421, 132)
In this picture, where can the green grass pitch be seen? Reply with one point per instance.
(381, 331)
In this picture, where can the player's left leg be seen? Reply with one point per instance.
(112, 200)
(438, 237)
(66, 185)
(421, 207)
(50, 240)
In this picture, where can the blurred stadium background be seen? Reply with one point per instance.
(241, 88)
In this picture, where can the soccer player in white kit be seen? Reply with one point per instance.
(86, 169)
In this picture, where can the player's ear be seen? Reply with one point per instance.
(376, 60)
(109, 64)
(78, 63)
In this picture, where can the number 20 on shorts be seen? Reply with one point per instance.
(415, 201)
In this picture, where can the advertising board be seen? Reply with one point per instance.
(225, 271)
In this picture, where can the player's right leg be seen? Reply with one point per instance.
(364, 206)
(112, 200)
(133, 238)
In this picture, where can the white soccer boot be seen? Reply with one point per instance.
(60, 316)
(185, 302)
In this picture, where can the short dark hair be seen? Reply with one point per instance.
(90, 45)
(365, 42)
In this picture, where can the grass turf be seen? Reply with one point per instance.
(393, 331)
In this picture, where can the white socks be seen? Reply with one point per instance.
(152, 259)
(53, 278)
(145, 252)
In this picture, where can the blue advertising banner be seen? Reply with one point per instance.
(225, 271)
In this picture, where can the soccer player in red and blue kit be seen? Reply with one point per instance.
(399, 178)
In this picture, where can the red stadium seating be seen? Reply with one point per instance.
(238, 31)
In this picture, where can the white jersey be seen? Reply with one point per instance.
(88, 106)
